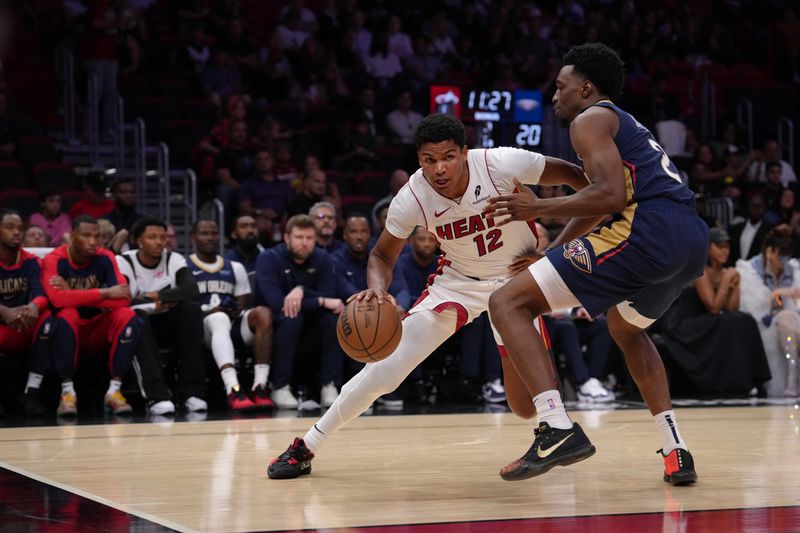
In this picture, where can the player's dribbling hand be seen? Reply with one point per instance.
(523, 261)
(380, 294)
(521, 205)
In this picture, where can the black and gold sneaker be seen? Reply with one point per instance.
(295, 461)
(551, 447)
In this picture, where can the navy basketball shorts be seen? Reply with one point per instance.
(640, 263)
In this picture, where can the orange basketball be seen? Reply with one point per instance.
(369, 332)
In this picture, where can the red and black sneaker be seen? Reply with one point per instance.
(551, 447)
(295, 461)
(678, 467)
(239, 402)
(261, 398)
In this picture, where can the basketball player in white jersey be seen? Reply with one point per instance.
(447, 196)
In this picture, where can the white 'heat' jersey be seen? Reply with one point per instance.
(472, 245)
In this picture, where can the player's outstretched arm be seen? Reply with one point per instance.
(379, 268)
(559, 172)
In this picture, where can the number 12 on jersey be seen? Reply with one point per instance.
(490, 243)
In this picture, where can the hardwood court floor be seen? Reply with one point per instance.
(414, 469)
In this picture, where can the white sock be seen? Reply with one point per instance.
(260, 378)
(670, 436)
(229, 378)
(113, 386)
(550, 409)
(67, 387)
(314, 439)
(34, 381)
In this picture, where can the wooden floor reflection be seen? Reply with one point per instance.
(425, 469)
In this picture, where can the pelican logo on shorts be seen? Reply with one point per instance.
(578, 255)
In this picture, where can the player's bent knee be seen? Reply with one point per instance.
(260, 317)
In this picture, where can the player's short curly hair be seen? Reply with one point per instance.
(599, 64)
(439, 128)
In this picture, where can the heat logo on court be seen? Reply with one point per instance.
(577, 254)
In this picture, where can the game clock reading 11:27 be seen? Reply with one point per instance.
(506, 118)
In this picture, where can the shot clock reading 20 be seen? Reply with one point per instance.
(505, 118)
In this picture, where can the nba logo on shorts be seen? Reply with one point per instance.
(578, 255)
(46, 330)
(128, 331)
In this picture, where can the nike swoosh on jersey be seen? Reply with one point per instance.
(545, 453)
(196, 272)
(440, 213)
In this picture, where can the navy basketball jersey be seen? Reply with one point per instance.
(219, 283)
(649, 173)
(20, 283)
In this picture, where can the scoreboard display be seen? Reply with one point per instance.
(503, 118)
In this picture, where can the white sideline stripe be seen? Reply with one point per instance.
(98, 499)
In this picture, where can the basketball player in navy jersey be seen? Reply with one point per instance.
(634, 266)
(228, 321)
(25, 322)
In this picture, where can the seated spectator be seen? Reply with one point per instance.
(315, 187)
(234, 164)
(773, 186)
(358, 151)
(283, 166)
(196, 54)
(403, 121)
(228, 320)
(747, 236)
(165, 299)
(422, 66)
(325, 221)
(25, 322)
(399, 41)
(55, 223)
(235, 109)
(169, 245)
(92, 314)
(771, 152)
(770, 286)
(110, 238)
(246, 246)
(95, 202)
(706, 176)
(381, 63)
(34, 237)
(717, 346)
(298, 283)
(221, 78)
(263, 195)
(124, 215)
(397, 180)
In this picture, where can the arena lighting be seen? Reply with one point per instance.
(111, 171)
(150, 173)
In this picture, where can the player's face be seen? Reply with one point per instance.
(423, 243)
(206, 238)
(11, 232)
(85, 239)
(301, 242)
(444, 166)
(153, 241)
(245, 232)
(568, 99)
(356, 234)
